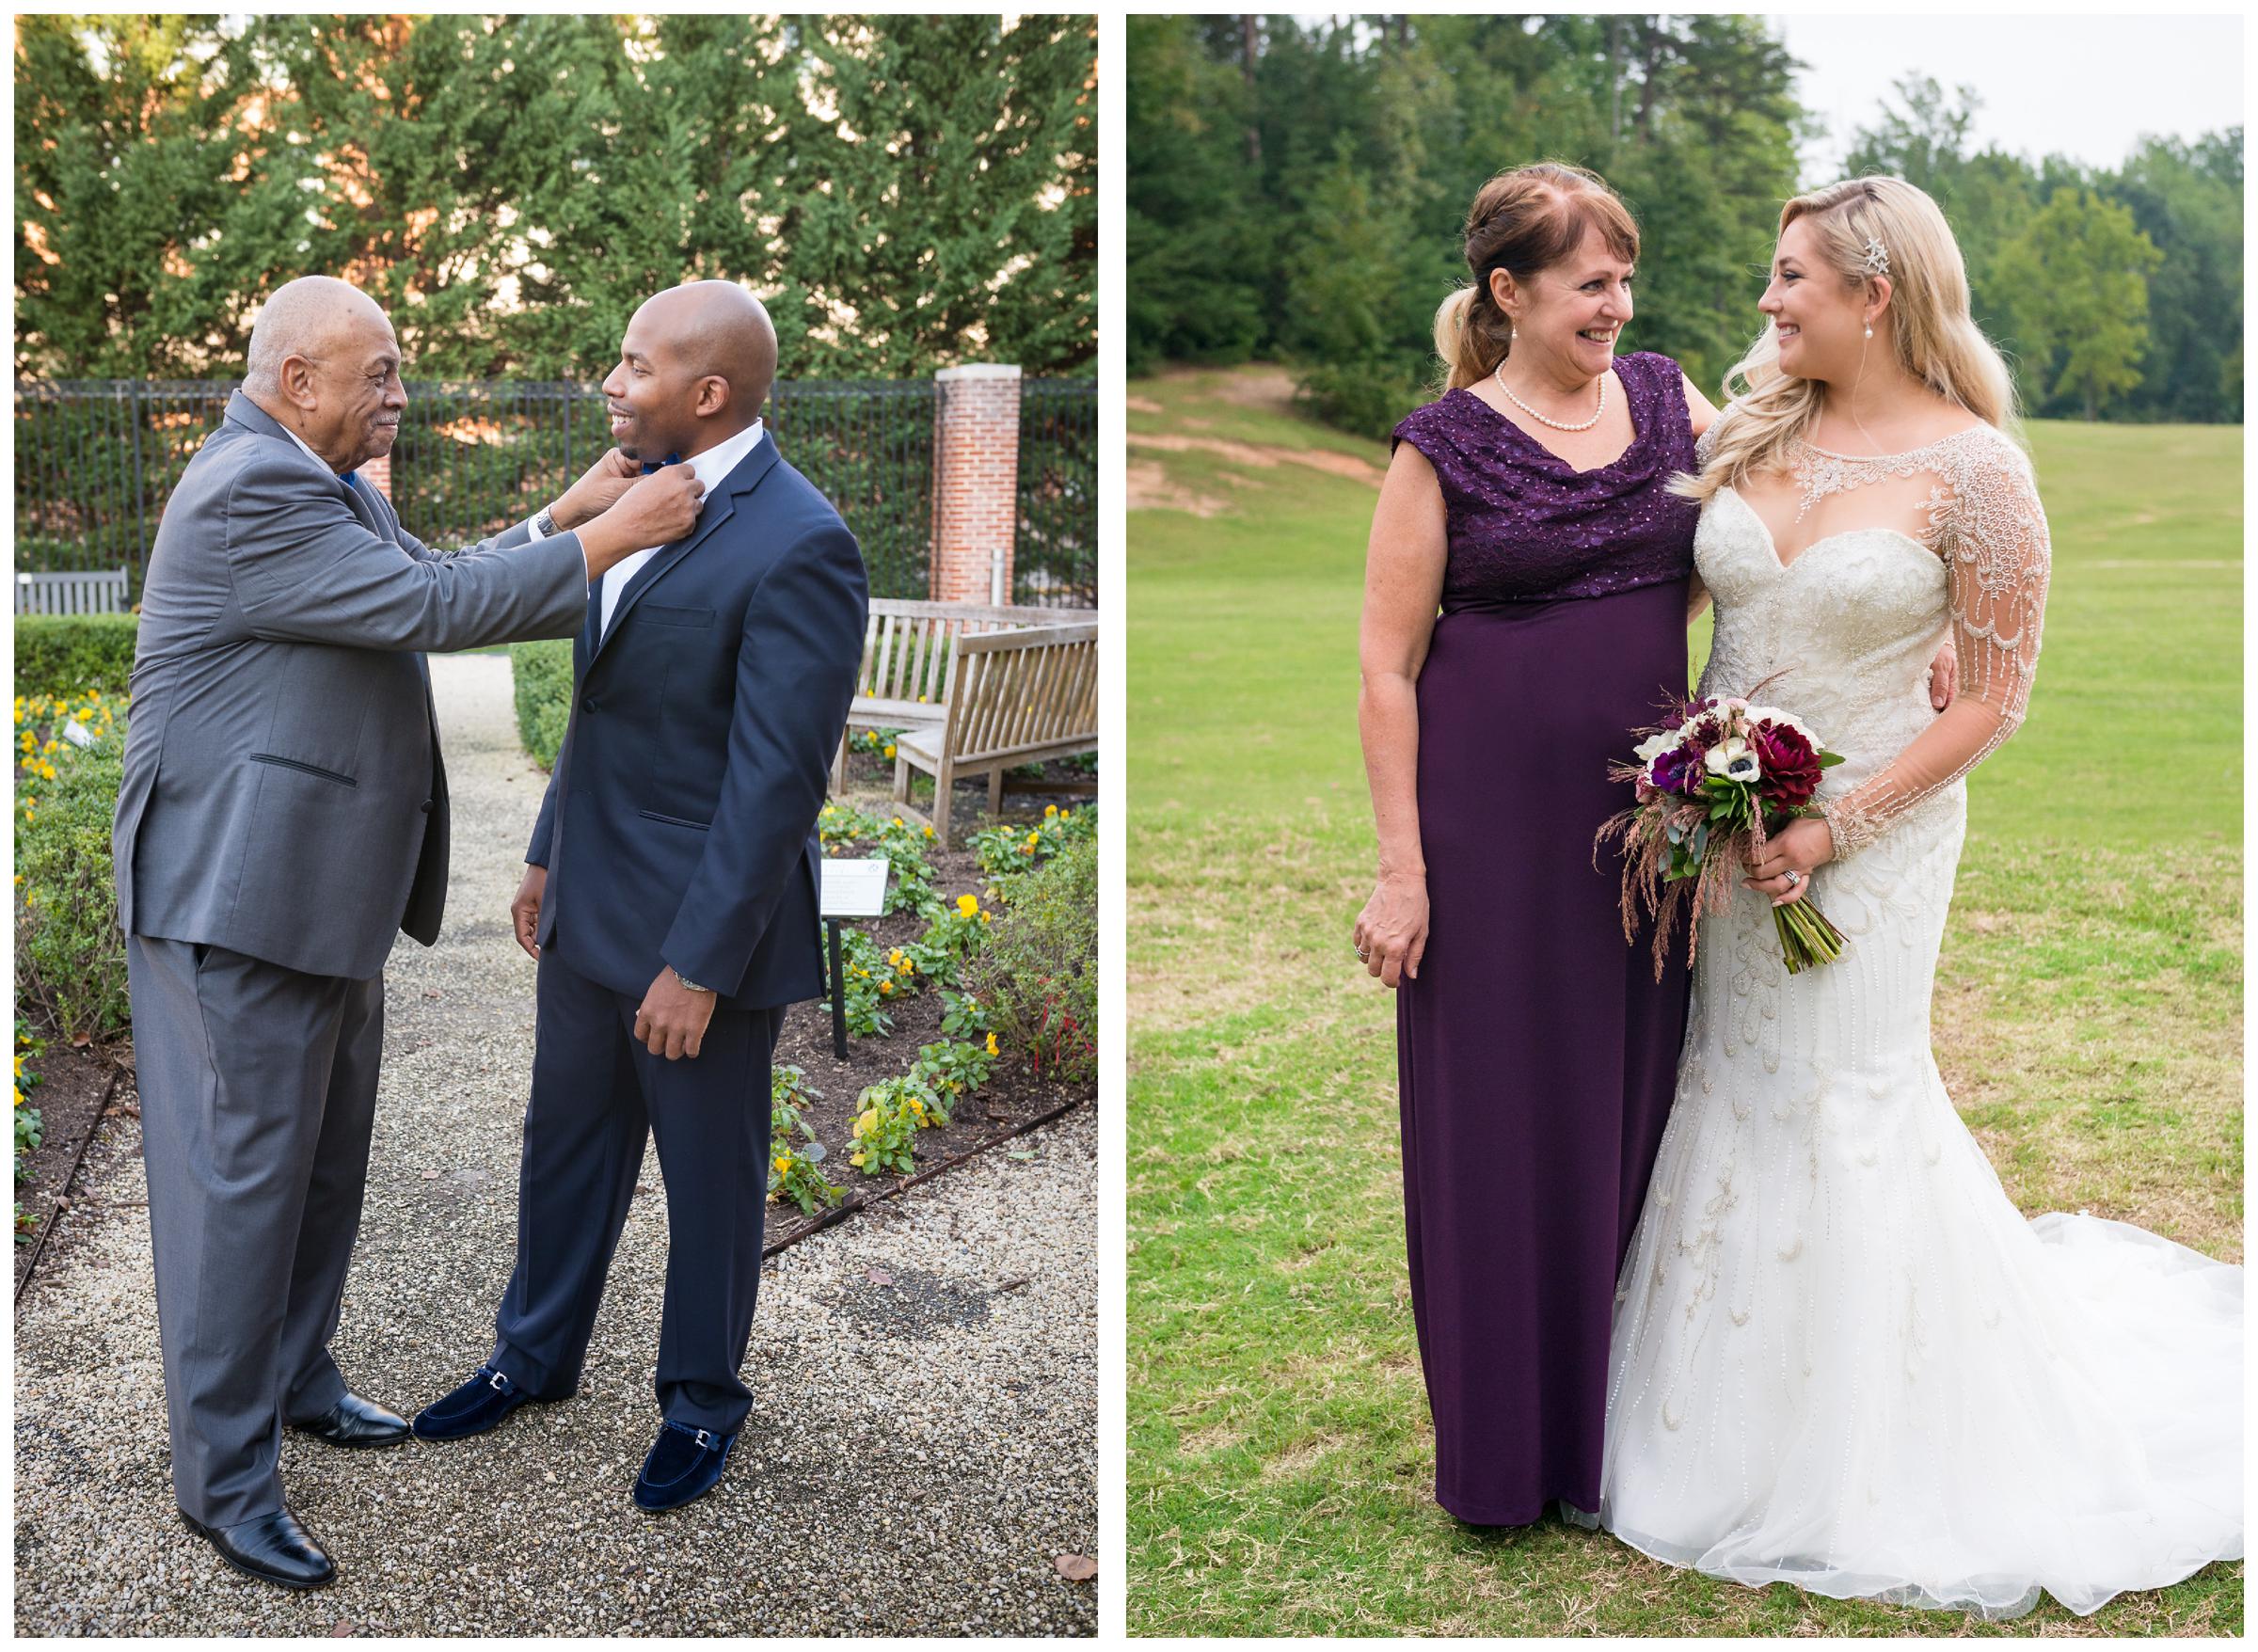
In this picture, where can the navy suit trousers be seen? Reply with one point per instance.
(596, 1093)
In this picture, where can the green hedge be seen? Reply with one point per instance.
(70, 955)
(68, 654)
(542, 672)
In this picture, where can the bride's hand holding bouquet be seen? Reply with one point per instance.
(1726, 787)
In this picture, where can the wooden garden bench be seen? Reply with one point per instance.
(88, 592)
(1017, 696)
(907, 649)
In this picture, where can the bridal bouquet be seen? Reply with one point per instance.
(1708, 790)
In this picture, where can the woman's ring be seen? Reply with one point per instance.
(1794, 877)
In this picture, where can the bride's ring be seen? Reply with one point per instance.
(1794, 877)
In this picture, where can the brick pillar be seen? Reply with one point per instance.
(377, 473)
(976, 483)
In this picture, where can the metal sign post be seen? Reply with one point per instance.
(852, 889)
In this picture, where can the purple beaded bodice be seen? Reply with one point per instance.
(1524, 526)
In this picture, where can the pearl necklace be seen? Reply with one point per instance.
(1598, 414)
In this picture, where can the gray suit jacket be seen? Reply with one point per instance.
(282, 794)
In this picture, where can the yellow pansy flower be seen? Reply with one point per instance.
(1050, 811)
(967, 905)
(991, 1049)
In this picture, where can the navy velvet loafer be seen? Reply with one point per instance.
(476, 1406)
(684, 1463)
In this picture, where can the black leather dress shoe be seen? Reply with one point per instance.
(355, 1421)
(273, 1548)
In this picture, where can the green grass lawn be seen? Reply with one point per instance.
(2088, 1020)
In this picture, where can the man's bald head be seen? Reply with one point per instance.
(695, 368)
(323, 362)
(307, 317)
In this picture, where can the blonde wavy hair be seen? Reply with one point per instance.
(1927, 324)
(1524, 220)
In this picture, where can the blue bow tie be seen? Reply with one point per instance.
(350, 477)
(670, 459)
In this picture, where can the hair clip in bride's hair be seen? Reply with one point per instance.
(1877, 257)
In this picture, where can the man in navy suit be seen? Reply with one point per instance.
(669, 893)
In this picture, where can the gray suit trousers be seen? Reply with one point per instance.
(258, 1094)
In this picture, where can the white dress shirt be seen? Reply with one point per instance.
(709, 468)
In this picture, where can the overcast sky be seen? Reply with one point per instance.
(2084, 86)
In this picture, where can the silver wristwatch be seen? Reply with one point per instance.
(546, 523)
(688, 985)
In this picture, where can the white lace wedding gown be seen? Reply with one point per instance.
(1841, 1358)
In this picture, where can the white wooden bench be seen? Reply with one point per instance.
(89, 592)
(1017, 696)
(907, 650)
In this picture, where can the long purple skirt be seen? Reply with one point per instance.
(1536, 1053)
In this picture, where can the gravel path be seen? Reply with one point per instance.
(919, 1453)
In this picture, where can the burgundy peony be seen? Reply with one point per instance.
(1790, 766)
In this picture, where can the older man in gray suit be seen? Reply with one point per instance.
(283, 812)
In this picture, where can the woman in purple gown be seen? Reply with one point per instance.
(1537, 1052)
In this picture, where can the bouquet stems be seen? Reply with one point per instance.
(1806, 936)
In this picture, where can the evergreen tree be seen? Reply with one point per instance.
(910, 192)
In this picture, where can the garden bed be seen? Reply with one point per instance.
(1067, 782)
(74, 1087)
(1014, 1097)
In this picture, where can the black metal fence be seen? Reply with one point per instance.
(96, 460)
(1055, 556)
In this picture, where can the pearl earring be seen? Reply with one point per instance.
(1870, 332)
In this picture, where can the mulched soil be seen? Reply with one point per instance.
(1014, 1097)
(76, 1083)
(870, 786)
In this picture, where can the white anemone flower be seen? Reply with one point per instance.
(1733, 760)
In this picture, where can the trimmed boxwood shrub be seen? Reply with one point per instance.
(542, 675)
(68, 654)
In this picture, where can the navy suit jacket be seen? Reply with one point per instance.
(679, 824)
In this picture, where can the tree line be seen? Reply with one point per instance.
(1297, 190)
(906, 193)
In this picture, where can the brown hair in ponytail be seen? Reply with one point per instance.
(1522, 221)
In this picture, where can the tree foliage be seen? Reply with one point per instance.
(2079, 274)
(1296, 189)
(2166, 341)
(905, 192)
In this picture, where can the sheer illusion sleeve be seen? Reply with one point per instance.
(1697, 590)
(1993, 540)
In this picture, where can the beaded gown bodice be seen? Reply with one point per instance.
(1845, 630)
(1526, 526)
(1841, 1358)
